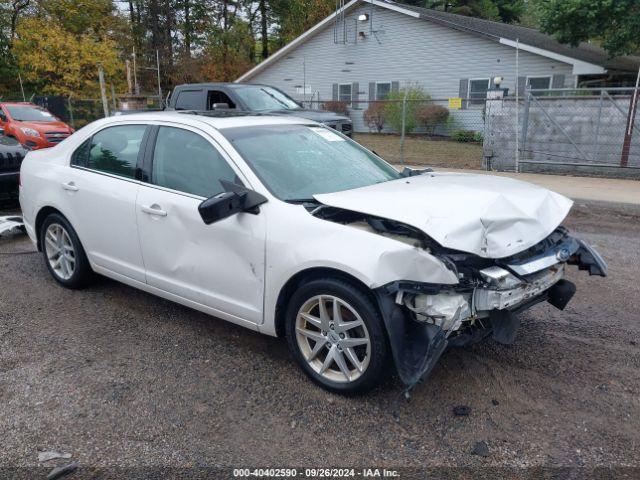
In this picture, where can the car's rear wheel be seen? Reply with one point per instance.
(337, 336)
(63, 253)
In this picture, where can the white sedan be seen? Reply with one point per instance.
(291, 229)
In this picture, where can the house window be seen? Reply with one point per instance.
(383, 90)
(478, 90)
(539, 83)
(344, 92)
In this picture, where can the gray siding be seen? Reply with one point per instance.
(406, 50)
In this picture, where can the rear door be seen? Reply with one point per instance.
(219, 266)
(100, 192)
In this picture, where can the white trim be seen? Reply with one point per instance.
(579, 67)
(293, 44)
(394, 7)
(550, 77)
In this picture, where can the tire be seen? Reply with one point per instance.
(73, 269)
(318, 345)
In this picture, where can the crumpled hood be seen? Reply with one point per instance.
(490, 216)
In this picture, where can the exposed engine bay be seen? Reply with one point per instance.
(422, 319)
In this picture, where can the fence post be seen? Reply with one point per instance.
(596, 146)
(73, 123)
(628, 133)
(525, 118)
(404, 115)
(103, 91)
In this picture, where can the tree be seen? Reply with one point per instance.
(507, 11)
(58, 62)
(615, 23)
(416, 97)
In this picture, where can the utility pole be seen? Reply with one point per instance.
(159, 87)
(517, 105)
(103, 91)
(127, 64)
(136, 90)
(24, 99)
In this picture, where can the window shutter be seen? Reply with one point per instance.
(522, 85)
(395, 86)
(334, 95)
(463, 91)
(355, 96)
(557, 81)
(372, 91)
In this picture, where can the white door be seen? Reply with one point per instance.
(100, 191)
(221, 265)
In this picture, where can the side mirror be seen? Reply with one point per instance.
(234, 200)
(219, 106)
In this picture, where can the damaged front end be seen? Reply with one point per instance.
(422, 319)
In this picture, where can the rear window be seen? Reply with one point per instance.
(190, 100)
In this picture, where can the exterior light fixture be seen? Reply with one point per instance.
(364, 17)
(497, 81)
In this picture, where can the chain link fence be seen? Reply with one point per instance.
(577, 131)
(438, 132)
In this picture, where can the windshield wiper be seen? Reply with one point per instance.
(301, 200)
(276, 99)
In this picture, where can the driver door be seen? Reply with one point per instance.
(218, 266)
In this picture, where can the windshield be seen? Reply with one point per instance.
(24, 113)
(257, 97)
(296, 162)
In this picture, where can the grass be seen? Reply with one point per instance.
(420, 150)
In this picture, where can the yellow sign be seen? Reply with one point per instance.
(455, 103)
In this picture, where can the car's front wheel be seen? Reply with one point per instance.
(337, 336)
(63, 253)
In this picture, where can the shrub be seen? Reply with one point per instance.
(336, 107)
(374, 116)
(431, 116)
(416, 97)
(467, 136)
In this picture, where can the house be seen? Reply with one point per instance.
(368, 48)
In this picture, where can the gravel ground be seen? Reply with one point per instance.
(117, 377)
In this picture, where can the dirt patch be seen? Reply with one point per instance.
(420, 150)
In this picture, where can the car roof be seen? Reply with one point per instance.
(22, 104)
(221, 84)
(217, 119)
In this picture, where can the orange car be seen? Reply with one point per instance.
(33, 126)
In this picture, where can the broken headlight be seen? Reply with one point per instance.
(447, 310)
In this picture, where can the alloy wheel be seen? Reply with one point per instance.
(333, 338)
(60, 251)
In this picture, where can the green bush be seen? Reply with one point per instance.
(467, 136)
(416, 97)
(430, 116)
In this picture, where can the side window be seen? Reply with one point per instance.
(383, 90)
(216, 96)
(81, 154)
(112, 150)
(190, 100)
(186, 162)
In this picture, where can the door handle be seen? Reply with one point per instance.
(154, 210)
(70, 186)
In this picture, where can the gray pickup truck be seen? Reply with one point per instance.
(250, 98)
